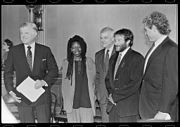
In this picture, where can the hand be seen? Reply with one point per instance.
(162, 116)
(18, 99)
(38, 84)
(111, 99)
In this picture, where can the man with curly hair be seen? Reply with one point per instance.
(159, 91)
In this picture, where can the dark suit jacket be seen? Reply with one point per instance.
(101, 72)
(125, 87)
(44, 68)
(159, 90)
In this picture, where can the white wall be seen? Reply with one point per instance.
(64, 21)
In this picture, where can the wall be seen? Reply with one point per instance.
(64, 21)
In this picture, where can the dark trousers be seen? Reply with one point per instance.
(28, 114)
(115, 117)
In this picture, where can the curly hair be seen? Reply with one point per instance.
(159, 20)
(70, 55)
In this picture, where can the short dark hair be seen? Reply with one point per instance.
(9, 43)
(159, 20)
(128, 35)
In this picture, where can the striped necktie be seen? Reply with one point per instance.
(29, 57)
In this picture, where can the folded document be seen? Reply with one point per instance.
(28, 90)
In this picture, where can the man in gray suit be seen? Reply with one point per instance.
(102, 62)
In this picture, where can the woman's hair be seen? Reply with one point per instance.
(9, 43)
(70, 55)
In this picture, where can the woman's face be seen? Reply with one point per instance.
(76, 49)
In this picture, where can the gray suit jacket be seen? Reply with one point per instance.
(100, 87)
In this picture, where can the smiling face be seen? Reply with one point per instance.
(76, 49)
(120, 43)
(27, 34)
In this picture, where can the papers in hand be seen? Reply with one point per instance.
(28, 90)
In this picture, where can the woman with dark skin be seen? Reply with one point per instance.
(78, 75)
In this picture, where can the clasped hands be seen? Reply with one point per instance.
(38, 84)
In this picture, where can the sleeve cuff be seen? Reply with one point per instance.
(45, 84)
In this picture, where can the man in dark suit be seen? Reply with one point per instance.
(159, 92)
(34, 60)
(102, 62)
(124, 78)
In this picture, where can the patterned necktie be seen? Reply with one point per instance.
(29, 57)
(106, 60)
(117, 64)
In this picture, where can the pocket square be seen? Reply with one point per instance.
(43, 59)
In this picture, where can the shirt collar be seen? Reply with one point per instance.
(110, 50)
(32, 45)
(160, 40)
(125, 51)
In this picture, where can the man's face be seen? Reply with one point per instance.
(150, 33)
(76, 49)
(106, 39)
(27, 34)
(120, 43)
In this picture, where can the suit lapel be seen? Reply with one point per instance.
(24, 59)
(102, 59)
(37, 59)
(155, 53)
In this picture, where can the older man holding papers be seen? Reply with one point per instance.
(36, 61)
